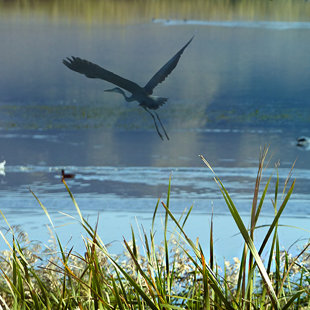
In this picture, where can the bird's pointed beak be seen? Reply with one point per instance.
(109, 90)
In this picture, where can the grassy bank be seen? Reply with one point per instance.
(176, 274)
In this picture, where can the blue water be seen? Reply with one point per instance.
(239, 86)
(130, 171)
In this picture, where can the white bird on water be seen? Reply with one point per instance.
(2, 167)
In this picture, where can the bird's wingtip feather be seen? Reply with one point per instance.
(70, 60)
(190, 40)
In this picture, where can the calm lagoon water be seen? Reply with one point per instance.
(240, 85)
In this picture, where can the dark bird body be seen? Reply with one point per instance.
(303, 141)
(141, 94)
(66, 175)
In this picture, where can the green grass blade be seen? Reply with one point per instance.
(246, 238)
(276, 219)
(42, 206)
(136, 286)
(291, 300)
(214, 282)
(262, 200)
(211, 244)
(74, 201)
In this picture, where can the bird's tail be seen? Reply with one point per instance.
(157, 102)
(160, 101)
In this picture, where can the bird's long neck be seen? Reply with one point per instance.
(121, 92)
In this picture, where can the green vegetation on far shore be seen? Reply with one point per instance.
(177, 274)
(133, 11)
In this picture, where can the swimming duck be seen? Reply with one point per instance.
(303, 141)
(66, 175)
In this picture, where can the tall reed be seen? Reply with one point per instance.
(176, 274)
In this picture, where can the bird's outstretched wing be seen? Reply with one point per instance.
(163, 72)
(94, 71)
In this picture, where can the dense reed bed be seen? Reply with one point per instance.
(176, 274)
(127, 12)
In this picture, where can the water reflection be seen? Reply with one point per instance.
(231, 77)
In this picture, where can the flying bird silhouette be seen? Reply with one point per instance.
(141, 94)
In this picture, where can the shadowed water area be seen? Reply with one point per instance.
(242, 83)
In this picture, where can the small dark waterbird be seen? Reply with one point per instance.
(66, 175)
(141, 94)
(304, 143)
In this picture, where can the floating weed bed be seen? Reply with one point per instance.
(176, 274)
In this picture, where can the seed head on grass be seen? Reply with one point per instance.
(173, 274)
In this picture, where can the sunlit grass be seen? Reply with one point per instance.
(175, 274)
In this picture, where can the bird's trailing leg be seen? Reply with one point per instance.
(161, 124)
(148, 111)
